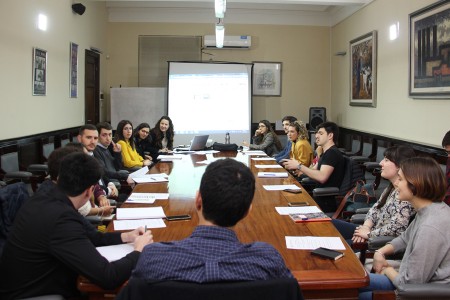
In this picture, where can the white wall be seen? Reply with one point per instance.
(21, 113)
(423, 121)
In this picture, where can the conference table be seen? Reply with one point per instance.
(319, 278)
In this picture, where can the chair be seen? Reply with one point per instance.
(10, 169)
(40, 170)
(274, 289)
(429, 291)
(12, 197)
(368, 152)
(356, 146)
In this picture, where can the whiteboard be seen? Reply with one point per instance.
(138, 105)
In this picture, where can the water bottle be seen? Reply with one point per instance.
(227, 138)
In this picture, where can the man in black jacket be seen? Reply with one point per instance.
(51, 244)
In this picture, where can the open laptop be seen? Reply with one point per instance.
(198, 143)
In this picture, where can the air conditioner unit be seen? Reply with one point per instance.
(229, 42)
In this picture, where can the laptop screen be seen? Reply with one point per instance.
(198, 142)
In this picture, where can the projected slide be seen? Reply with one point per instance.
(210, 98)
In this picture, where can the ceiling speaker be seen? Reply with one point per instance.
(78, 8)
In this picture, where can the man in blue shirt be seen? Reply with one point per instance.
(213, 252)
(287, 149)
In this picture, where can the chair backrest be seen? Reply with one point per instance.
(9, 159)
(352, 173)
(275, 289)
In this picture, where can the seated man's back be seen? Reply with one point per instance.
(213, 252)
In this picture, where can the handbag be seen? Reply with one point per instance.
(362, 195)
(224, 147)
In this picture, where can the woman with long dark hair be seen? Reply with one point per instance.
(388, 216)
(124, 137)
(265, 139)
(162, 137)
(142, 139)
(425, 243)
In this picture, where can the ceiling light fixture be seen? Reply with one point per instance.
(220, 7)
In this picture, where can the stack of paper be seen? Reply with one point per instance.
(313, 242)
(140, 213)
(146, 198)
(281, 187)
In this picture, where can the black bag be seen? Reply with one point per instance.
(224, 147)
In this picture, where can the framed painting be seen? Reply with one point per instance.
(39, 72)
(429, 51)
(73, 70)
(363, 70)
(267, 78)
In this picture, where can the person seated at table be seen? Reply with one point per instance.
(265, 139)
(425, 243)
(51, 244)
(124, 137)
(88, 209)
(388, 216)
(109, 155)
(301, 150)
(142, 139)
(213, 251)
(284, 154)
(329, 171)
(162, 137)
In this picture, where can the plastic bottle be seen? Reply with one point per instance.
(227, 138)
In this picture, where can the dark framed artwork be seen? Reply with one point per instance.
(267, 78)
(363, 70)
(429, 51)
(39, 72)
(73, 70)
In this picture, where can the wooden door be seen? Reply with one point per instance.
(92, 88)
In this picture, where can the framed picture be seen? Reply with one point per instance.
(73, 70)
(39, 72)
(267, 78)
(363, 70)
(429, 50)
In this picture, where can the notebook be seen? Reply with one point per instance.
(198, 143)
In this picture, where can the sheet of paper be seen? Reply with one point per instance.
(206, 152)
(133, 224)
(169, 157)
(146, 198)
(280, 187)
(139, 173)
(115, 252)
(204, 162)
(313, 242)
(297, 210)
(273, 174)
(140, 213)
(110, 217)
(152, 178)
(263, 158)
(254, 152)
(268, 166)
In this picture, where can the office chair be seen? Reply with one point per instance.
(415, 291)
(274, 289)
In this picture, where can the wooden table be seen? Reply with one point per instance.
(318, 278)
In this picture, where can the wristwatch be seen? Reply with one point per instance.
(299, 166)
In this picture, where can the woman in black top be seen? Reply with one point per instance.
(142, 139)
(162, 137)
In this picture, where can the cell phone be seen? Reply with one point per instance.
(294, 191)
(178, 217)
(327, 253)
(303, 203)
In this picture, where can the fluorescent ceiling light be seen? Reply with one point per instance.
(220, 7)
(42, 22)
(220, 34)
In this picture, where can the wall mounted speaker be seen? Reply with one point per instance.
(78, 8)
(317, 115)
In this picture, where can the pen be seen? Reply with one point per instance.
(145, 229)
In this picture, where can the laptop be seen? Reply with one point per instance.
(198, 143)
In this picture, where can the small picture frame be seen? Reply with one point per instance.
(39, 72)
(73, 70)
(363, 70)
(429, 49)
(266, 78)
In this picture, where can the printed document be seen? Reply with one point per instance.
(140, 213)
(313, 242)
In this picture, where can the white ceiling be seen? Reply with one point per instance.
(282, 12)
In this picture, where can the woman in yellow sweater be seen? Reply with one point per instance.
(301, 150)
(124, 137)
